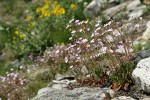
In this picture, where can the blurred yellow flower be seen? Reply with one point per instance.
(22, 36)
(46, 13)
(29, 18)
(57, 6)
(62, 44)
(46, 6)
(54, 11)
(16, 32)
(73, 6)
(45, 53)
(61, 11)
(38, 9)
(47, 10)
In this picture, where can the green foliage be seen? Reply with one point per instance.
(137, 48)
(142, 46)
(42, 30)
(98, 71)
(62, 68)
(47, 76)
(33, 87)
(5, 34)
(123, 74)
(146, 10)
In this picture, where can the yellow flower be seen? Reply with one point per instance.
(45, 53)
(46, 13)
(61, 11)
(55, 3)
(73, 6)
(22, 36)
(62, 43)
(29, 18)
(54, 11)
(46, 6)
(16, 32)
(57, 6)
(38, 9)
(70, 29)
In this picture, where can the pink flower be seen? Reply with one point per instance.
(116, 33)
(120, 49)
(84, 40)
(73, 31)
(66, 59)
(76, 21)
(97, 25)
(104, 49)
(88, 29)
(109, 38)
(80, 30)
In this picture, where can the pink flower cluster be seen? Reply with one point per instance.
(90, 41)
(12, 86)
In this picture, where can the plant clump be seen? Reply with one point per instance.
(94, 46)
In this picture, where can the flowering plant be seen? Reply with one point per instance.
(94, 46)
(12, 86)
(43, 28)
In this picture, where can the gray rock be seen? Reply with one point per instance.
(93, 93)
(123, 98)
(135, 9)
(93, 9)
(62, 81)
(62, 84)
(89, 93)
(141, 74)
(47, 89)
(83, 93)
(133, 5)
(137, 12)
(140, 55)
(54, 94)
(109, 91)
(145, 99)
(110, 12)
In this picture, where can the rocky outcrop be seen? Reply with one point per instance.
(95, 7)
(140, 55)
(133, 8)
(123, 98)
(83, 93)
(141, 74)
(144, 39)
(110, 12)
